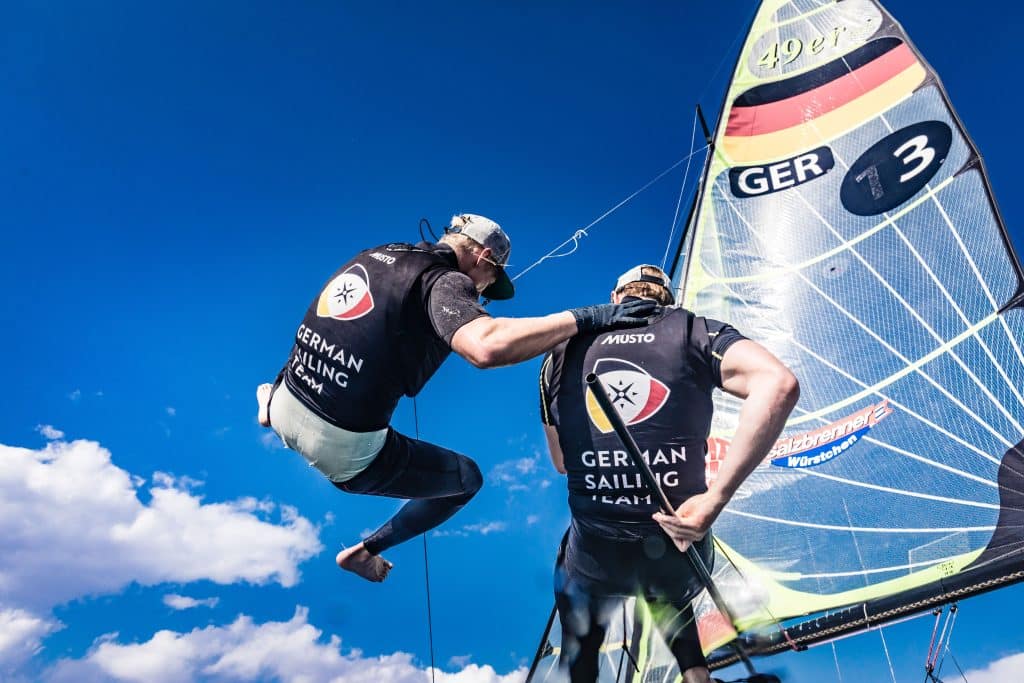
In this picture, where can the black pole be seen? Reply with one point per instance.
(696, 562)
(542, 650)
(704, 126)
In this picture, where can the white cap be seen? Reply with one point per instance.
(636, 274)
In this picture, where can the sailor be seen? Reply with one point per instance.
(660, 378)
(378, 330)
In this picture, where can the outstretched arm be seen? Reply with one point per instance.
(491, 342)
(770, 391)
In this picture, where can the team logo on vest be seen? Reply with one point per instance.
(633, 391)
(347, 296)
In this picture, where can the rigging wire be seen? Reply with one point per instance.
(962, 674)
(860, 558)
(929, 664)
(682, 189)
(835, 657)
(731, 50)
(580, 233)
(426, 559)
(885, 647)
(945, 650)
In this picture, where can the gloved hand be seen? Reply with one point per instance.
(613, 316)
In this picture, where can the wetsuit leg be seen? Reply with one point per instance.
(584, 619)
(438, 483)
(676, 624)
(587, 592)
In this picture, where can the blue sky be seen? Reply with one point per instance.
(178, 180)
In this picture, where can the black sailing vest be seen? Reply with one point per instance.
(366, 340)
(664, 401)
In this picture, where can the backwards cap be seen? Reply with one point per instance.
(637, 274)
(490, 235)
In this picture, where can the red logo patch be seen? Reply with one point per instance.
(347, 296)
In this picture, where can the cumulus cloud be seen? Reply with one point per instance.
(180, 602)
(513, 474)
(21, 636)
(481, 528)
(72, 525)
(292, 651)
(75, 395)
(171, 410)
(50, 432)
(1005, 670)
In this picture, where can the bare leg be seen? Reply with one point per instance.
(263, 392)
(358, 560)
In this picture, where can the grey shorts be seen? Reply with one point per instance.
(338, 453)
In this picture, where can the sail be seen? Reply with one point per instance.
(845, 221)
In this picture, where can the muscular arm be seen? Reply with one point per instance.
(770, 391)
(492, 342)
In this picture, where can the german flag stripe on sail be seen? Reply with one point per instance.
(773, 120)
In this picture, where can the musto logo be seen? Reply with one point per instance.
(347, 296)
(634, 393)
(821, 445)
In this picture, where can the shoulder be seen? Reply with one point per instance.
(448, 283)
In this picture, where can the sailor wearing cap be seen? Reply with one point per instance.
(660, 379)
(378, 330)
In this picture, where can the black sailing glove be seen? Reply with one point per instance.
(613, 316)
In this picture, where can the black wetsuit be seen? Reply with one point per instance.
(378, 330)
(662, 377)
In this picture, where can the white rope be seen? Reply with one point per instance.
(582, 232)
(575, 239)
(682, 190)
(867, 619)
(885, 647)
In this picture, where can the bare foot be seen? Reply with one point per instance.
(263, 392)
(358, 560)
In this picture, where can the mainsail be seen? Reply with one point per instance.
(845, 221)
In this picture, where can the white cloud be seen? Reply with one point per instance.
(482, 528)
(171, 410)
(50, 432)
(1005, 670)
(75, 395)
(72, 525)
(21, 635)
(513, 474)
(291, 651)
(180, 602)
(532, 519)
